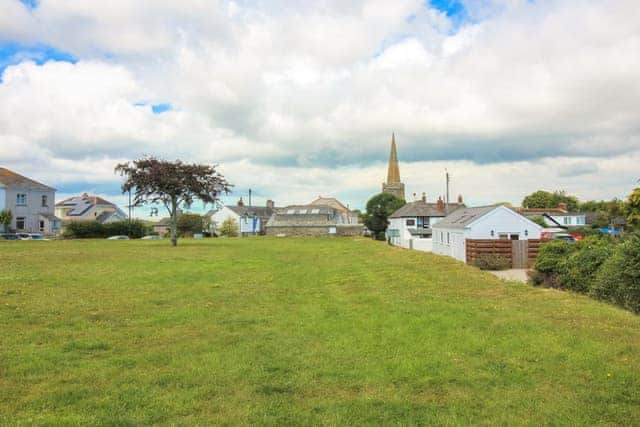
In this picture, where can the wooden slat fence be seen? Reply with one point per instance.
(501, 247)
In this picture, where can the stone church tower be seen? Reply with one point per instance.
(393, 184)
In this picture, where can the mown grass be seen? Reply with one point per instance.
(317, 331)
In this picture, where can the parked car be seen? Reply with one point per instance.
(9, 236)
(31, 236)
(565, 237)
(119, 237)
(151, 237)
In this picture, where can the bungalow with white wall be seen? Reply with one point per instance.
(485, 222)
(251, 220)
(411, 226)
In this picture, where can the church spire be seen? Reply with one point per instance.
(393, 184)
(393, 174)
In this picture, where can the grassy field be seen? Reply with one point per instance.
(266, 331)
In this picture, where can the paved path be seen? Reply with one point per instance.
(517, 274)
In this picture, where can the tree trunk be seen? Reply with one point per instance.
(174, 223)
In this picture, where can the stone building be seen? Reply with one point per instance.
(313, 220)
(393, 184)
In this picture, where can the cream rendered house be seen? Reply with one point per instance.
(89, 208)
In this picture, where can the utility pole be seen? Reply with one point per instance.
(130, 212)
(446, 200)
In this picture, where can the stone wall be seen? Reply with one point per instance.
(315, 231)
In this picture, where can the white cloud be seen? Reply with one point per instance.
(301, 98)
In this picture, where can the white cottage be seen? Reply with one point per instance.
(251, 220)
(411, 225)
(485, 222)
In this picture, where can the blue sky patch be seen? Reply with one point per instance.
(161, 108)
(31, 4)
(451, 8)
(15, 53)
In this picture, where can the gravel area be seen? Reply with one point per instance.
(517, 274)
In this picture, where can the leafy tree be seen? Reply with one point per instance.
(174, 184)
(379, 208)
(633, 208)
(543, 199)
(190, 223)
(229, 227)
(5, 219)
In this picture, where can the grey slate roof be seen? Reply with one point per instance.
(261, 212)
(10, 178)
(422, 208)
(308, 216)
(463, 217)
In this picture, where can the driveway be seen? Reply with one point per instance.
(515, 274)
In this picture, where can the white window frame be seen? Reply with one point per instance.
(21, 199)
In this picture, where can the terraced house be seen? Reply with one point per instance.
(30, 202)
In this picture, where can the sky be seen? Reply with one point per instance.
(299, 99)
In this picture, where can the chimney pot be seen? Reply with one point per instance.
(424, 196)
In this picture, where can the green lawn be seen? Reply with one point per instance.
(316, 331)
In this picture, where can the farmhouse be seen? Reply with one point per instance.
(313, 220)
(30, 203)
(485, 222)
(411, 225)
(251, 220)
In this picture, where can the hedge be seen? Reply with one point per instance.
(96, 230)
(601, 267)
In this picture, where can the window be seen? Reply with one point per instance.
(44, 201)
(291, 211)
(503, 236)
(448, 239)
(21, 199)
(20, 223)
(315, 211)
(567, 220)
(514, 237)
(41, 226)
(332, 230)
(441, 237)
(411, 222)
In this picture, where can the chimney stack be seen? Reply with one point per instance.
(562, 206)
(424, 197)
(270, 204)
(440, 204)
(240, 202)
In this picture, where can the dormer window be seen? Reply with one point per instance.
(21, 199)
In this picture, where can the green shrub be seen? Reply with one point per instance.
(583, 264)
(551, 264)
(229, 228)
(492, 262)
(618, 280)
(96, 230)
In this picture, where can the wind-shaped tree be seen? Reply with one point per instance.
(174, 184)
